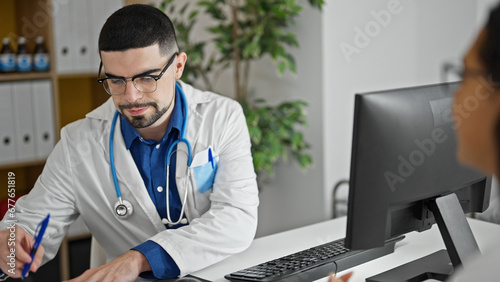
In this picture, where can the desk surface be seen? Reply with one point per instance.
(414, 246)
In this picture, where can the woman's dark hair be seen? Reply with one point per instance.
(490, 49)
(489, 53)
(137, 26)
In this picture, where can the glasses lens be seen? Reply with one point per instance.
(145, 84)
(114, 86)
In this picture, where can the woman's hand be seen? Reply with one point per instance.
(343, 278)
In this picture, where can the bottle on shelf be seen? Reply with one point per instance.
(40, 56)
(7, 57)
(24, 58)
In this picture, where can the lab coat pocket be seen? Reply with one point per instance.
(202, 177)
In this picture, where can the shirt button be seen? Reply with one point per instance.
(158, 146)
(159, 189)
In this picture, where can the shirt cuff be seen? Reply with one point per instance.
(162, 264)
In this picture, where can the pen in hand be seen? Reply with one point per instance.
(40, 230)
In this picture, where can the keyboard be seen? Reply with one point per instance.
(311, 264)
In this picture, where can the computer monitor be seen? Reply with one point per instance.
(405, 174)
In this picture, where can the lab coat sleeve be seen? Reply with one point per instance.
(229, 226)
(52, 193)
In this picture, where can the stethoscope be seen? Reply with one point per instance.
(123, 208)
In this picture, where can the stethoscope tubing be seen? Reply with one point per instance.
(111, 155)
(182, 137)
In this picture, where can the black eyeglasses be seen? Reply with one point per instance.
(145, 83)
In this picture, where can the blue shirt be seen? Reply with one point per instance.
(150, 158)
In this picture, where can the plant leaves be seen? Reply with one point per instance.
(263, 29)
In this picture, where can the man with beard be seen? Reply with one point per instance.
(161, 173)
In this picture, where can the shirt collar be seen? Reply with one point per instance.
(130, 133)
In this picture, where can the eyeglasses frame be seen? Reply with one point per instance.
(155, 77)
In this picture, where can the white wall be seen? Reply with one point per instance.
(404, 51)
(408, 50)
(295, 198)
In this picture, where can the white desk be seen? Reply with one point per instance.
(414, 246)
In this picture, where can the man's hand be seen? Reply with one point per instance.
(15, 252)
(126, 267)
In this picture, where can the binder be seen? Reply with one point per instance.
(80, 36)
(43, 109)
(97, 15)
(7, 143)
(62, 39)
(77, 25)
(23, 121)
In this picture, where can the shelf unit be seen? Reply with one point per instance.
(15, 15)
(74, 95)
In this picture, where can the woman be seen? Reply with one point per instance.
(478, 131)
(478, 134)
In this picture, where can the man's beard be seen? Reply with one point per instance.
(142, 121)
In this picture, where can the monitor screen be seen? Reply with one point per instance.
(403, 158)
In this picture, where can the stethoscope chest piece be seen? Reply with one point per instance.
(123, 209)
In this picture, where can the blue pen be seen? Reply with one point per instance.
(40, 230)
(210, 157)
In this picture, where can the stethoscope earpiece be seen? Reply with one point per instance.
(165, 221)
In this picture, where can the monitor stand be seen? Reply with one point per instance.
(458, 239)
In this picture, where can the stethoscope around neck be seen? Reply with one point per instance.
(123, 208)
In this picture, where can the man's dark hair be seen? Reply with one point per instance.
(137, 26)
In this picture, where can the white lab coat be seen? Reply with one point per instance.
(77, 181)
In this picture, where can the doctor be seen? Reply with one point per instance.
(110, 168)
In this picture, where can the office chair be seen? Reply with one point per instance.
(336, 201)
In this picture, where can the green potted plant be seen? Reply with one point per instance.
(241, 32)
